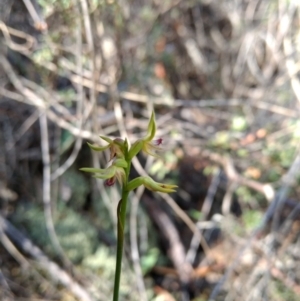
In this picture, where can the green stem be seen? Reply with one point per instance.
(121, 214)
(120, 242)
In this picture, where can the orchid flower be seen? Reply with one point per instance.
(147, 144)
(121, 156)
(111, 174)
(115, 146)
(150, 184)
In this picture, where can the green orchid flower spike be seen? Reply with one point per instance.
(119, 169)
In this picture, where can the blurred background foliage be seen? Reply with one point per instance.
(223, 79)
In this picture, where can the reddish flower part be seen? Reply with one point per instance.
(157, 142)
(110, 182)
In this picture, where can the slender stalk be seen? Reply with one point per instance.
(121, 213)
(120, 242)
(123, 154)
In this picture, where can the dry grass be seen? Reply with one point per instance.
(223, 78)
